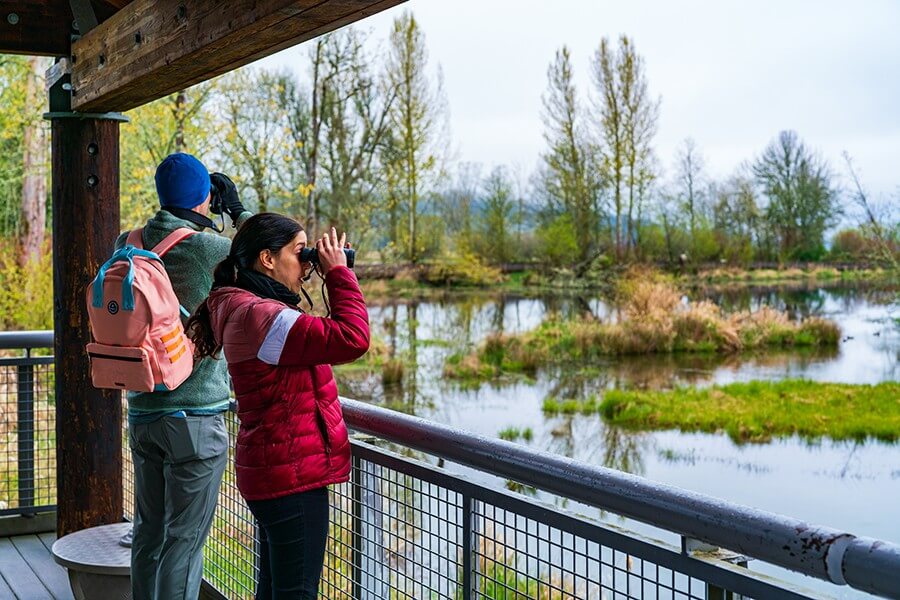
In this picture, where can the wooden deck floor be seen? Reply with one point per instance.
(28, 572)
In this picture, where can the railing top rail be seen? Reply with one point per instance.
(822, 552)
(15, 340)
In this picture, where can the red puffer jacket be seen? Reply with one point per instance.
(292, 434)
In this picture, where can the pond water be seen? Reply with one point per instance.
(847, 485)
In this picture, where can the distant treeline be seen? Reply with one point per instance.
(359, 138)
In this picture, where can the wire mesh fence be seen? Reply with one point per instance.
(27, 434)
(400, 528)
(231, 552)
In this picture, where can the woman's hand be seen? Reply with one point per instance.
(331, 250)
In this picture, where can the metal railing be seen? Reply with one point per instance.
(27, 424)
(405, 528)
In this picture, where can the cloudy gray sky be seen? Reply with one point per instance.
(730, 74)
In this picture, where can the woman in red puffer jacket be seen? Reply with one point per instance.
(292, 440)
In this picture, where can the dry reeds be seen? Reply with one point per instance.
(656, 319)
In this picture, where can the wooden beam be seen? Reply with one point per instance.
(151, 48)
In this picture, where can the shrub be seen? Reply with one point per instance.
(462, 269)
(26, 293)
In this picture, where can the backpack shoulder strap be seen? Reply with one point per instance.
(172, 240)
(136, 238)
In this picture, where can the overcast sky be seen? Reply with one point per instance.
(730, 74)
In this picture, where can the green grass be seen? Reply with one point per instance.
(570, 406)
(512, 434)
(758, 411)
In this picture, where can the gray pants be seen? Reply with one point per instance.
(178, 466)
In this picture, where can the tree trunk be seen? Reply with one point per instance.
(34, 180)
(180, 101)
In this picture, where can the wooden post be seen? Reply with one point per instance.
(85, 172)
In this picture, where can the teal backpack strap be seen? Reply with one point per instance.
(127, 253)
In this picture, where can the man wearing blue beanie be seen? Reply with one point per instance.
(179, 443)
(182, 181)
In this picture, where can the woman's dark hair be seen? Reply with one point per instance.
(265, 231)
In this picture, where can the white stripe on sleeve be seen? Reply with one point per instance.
(270, 351)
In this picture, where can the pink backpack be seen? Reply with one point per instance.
(139, 342)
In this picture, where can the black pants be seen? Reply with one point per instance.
(292, 534)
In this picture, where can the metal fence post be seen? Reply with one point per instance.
(468, 548)
(25, 433)
(356, 483)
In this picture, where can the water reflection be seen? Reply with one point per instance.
(823, 482)
(422, 334)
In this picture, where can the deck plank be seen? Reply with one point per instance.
(47, 539)
(53, 576)
(5, 590)
(24, 584)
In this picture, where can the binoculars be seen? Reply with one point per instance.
(311, 255)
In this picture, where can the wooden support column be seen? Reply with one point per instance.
(85, 172)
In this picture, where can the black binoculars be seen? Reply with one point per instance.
(216, 205)
(311, 255)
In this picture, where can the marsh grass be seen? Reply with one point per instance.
(654, 319)
(820, 273)
(514, 434)
(757, 411)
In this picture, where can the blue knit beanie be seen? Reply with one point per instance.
(181, 181)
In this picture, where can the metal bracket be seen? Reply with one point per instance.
(59, 86)
(85, 17)
(699, 548)
(61, 68)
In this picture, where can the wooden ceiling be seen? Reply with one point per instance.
(44, 27)
(144, 49)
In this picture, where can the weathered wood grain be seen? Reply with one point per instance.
(152, 48)
(85, 227)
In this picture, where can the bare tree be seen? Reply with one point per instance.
(886, 240)
(802, 203)
(625, 119)
(566, 176)
(690, 178)
(34, 168)
(411, 155)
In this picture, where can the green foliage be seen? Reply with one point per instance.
(16, 111)
(757, 411)
(26, 293)
(461, 270)
(498, 220)
(626, 115)
(411, 152)
(512, 434)
(570, 406)
(180, 122)
(559, 241)
(568, 180)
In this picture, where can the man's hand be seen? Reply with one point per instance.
(228, 192)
